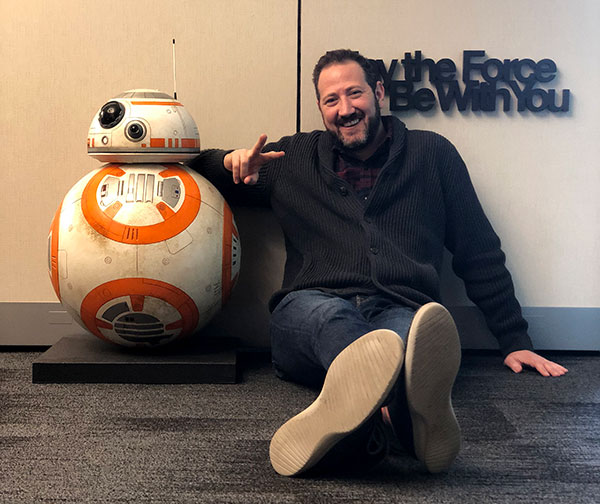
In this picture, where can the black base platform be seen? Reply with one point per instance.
(87, 359)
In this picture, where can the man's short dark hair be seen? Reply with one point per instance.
(342, 56)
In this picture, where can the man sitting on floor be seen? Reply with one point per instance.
(367, 207)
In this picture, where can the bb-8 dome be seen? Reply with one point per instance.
(143, 126)
(143, 254)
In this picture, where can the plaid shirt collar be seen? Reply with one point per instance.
(362, 174)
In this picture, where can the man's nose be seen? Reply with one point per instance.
(346, 107)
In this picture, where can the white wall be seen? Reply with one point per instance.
(538, 175)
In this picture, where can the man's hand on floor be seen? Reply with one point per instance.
(516, 361)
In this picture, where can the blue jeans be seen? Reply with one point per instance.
(309, 328)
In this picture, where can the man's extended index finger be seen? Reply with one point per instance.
(262, 140)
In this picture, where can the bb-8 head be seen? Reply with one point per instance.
(143, 126)
(143, 254)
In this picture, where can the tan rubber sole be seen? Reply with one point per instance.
(357, 382)
(431, 365)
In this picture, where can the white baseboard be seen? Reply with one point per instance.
(556, 328)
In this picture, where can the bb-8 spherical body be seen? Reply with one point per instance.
(144, 252)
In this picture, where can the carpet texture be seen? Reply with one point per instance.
(525, 438)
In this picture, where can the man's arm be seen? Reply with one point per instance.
(480, 262)
(221, 167)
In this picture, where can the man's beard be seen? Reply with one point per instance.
(358, 143)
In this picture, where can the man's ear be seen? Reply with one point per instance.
(379, 92)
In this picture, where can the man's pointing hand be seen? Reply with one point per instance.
(245, 163)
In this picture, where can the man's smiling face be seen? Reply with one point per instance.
(349, 107)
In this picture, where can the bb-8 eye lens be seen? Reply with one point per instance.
(135, 131)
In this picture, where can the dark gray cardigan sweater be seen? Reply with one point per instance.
(392, 243)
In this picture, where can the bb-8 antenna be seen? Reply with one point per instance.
(174, 74)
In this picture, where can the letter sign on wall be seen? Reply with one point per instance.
(487, 84)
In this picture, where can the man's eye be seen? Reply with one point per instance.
(330, 101)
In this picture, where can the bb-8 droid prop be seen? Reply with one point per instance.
(143, 251)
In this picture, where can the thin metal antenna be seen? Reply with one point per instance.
(174, 74)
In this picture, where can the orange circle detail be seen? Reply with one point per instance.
(173, 223)
(137, 289)
(54, 228)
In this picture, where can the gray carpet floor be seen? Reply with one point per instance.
(525, 439)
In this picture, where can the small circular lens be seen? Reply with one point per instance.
(135, 131)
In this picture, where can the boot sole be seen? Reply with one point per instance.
(431, 365)
(357, 382)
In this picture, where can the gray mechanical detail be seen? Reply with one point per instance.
(171, 192)
(141, 188)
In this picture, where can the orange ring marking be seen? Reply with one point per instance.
(173, 224)
(54, 229)
(137, 303)
(136, 288)
(104, 325)
(174, 325)
(165, 211)
(113, 209)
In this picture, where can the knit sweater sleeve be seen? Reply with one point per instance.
(478, 258)
(209, 163)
